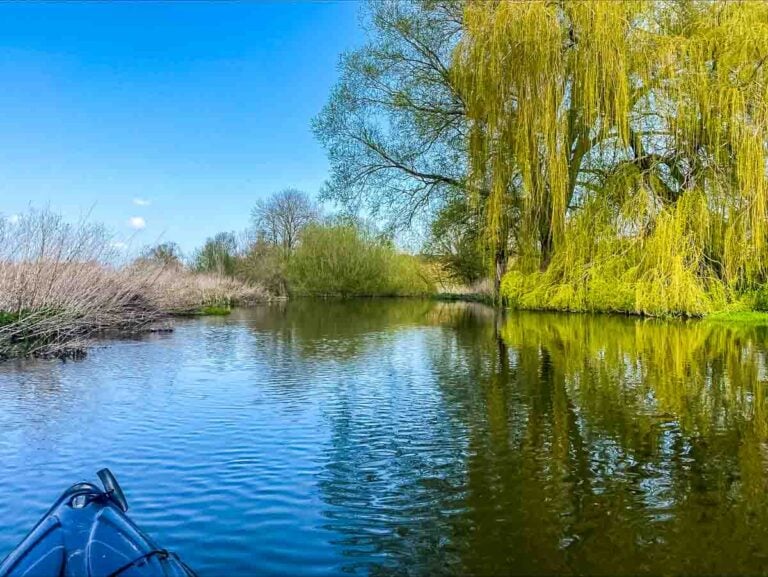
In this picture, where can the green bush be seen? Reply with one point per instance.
(7, 318)
(760, 298)
(345, 260)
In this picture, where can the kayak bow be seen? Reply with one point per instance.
(87, 534)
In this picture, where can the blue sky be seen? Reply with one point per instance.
(181, 114)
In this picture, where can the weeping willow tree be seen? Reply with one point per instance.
(624, 144)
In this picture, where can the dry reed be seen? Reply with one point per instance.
(62, 284)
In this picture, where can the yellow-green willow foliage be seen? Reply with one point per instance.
(624, 146)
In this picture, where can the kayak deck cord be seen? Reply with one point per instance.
(159, 553)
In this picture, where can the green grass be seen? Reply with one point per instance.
(215, 310)
(206, 311)
(7, 318)
(743, 317)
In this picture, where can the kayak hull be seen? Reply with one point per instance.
(87, 534)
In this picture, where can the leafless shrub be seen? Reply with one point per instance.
(60, 284)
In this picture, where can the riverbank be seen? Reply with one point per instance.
(54, 309)
(61, 335)
(464, 297)
(62, 285)
(739, 317)
(735, 313)
(653, 293)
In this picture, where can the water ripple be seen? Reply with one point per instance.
(406, 437)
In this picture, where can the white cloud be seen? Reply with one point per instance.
(137, 222)
(119, 245)
(14, 218)
(141, 202)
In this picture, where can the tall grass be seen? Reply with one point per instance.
(60, 284)
(175, 290)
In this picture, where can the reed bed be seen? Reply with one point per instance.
(63, 284)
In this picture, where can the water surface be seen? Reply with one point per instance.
(410, 437)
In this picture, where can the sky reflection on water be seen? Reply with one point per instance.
(410, 437)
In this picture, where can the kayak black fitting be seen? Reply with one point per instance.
(112, 489)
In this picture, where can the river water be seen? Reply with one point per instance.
(410, 437)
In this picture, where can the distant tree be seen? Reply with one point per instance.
(279, 219)
(217, 255)
(262, 263)
(167, 254)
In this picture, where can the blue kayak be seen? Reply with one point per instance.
(87, 534)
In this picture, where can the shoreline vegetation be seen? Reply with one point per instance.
(624, 173)
(82, 301)
(63, 285)
(588, 156)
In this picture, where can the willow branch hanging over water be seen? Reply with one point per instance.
(623, 149)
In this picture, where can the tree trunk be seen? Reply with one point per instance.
(501, 344)
(500, 268)
(547, 244)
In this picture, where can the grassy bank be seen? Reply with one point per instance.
(740, 317)
(594, 291)
(61, 285)
(622, 285)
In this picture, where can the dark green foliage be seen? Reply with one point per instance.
(455, 243)
(6, 318)
(761, 299)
